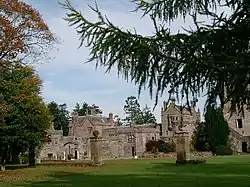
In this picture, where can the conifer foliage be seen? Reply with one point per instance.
(211, 57)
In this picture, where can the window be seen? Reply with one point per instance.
(90, 129)
(239, 123)
(56, 141)
(172, 119)
(130, 138)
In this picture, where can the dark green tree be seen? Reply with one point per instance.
(96, 109)
(200, 138)
(148, 116)
(37, 121)
(211, 57)
(217, 127)
(118, 120)
(60, 116)
(77, 108)
(85, 109)
(133, 113)
(28, 118)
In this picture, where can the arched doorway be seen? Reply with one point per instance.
(244, 147)
(71, 150)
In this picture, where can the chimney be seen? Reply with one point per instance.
(111, 118)
(164, 105)
(92, 111)
(75, 117)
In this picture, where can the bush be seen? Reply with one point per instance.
(70, 156)
(223, 150)
(167, 147)
(152, 146)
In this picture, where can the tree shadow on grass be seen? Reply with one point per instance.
(16, 166)
(205, 168)
(158, 176)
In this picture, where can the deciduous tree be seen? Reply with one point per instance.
(28, 118)
(23, 33)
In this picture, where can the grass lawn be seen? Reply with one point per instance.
(220, 171)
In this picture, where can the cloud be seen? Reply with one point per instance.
(67, 79)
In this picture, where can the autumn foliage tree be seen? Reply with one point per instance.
(24, 118)
(23, 32)
(24, 126)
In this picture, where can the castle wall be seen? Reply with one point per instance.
(172, 117)
(110, 148)
(239, 134)
(232, 120)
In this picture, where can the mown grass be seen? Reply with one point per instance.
(218, 171)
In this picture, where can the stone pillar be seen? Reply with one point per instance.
(182, 145)
(96, 156)
(64, 155)
(78, 155)
(95, 149)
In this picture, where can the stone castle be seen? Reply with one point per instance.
(128, 141)
(118, 141)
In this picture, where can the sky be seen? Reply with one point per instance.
(67, 79)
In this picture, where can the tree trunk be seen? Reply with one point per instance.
(15, 157)
(32, 156)
(2, 164)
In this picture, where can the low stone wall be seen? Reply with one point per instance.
(173, 155)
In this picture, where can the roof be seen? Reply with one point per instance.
(94, 119)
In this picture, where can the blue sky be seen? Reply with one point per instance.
(66, 79)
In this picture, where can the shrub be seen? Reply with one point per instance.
(167, 147)
(223, 150)
(152, 146)
(70, 156)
